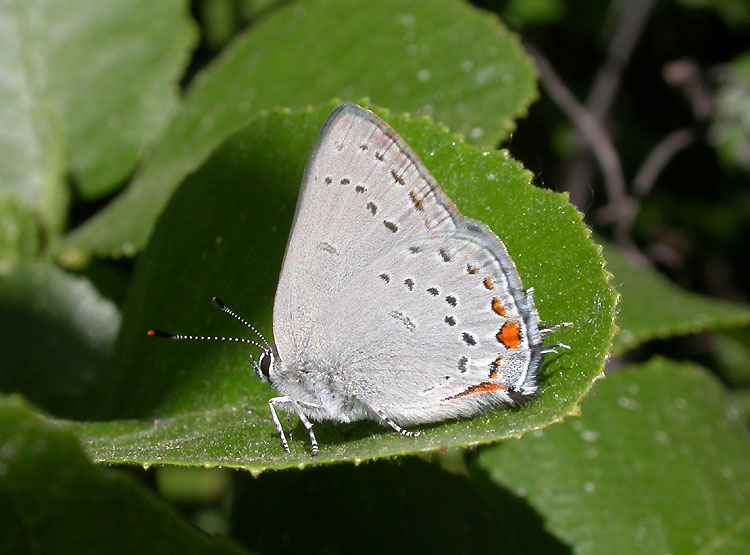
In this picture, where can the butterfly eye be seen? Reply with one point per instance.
(265, 363)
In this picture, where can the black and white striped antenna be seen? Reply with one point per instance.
(265, 346)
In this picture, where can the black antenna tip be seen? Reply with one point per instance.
(217, 302)
(158, 333)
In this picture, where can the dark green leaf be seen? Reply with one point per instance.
(53, 500)
(57, 333)
(86, 85)
(441, 58)
(653, 308)
(659, 463)
(224, 233)
(734, 12)
(405, 507)
(731, 350)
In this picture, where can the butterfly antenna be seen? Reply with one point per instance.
(225, 308)
(167, 335)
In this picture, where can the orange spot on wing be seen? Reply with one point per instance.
(488, 283)
(498, 307)
(484, 387)
(510, 335)
(495, 367)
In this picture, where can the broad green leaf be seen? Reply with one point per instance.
(19, 233)
(653, 308)
(442, 58)
(659, 463)
(730, 129)
(53, 500)
(406, 506)
(86, 85)
(57, 333)
(224, 233)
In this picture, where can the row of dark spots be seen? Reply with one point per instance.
(398, 178)
(378, 155)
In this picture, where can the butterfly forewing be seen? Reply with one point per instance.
(362, 192)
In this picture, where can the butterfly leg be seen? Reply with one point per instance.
(287, 404)
(544, 330)
(280, 401)
(395, 426)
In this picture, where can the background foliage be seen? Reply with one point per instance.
(151, 156)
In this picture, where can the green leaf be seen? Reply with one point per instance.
(731, 350)
(19, 233)
(53, 500)
(730, 128)
(57, 335)
(441, 58)
(653, 308)
(407, 506)
(87, 85)
(659, 463)
(224, 233)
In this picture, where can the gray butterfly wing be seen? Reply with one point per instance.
(351, 210)
(410, 308)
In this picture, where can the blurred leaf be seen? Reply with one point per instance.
(741, 399)
(732, 355)
(57, 333)
(53, 500)
(659, 463)
(730, 129)
(251, 9)
(88, 82)
(521, 13)
(404, 507)
(224, 233)
(440, 57)
(735, 13)
(220, 19)
(19, 233)
(654, 308)
(192, 485)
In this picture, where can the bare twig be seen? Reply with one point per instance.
(631, 17)
(626, 35)
(585, 123)
(658, 158)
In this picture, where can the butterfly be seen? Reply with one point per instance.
(391, 305)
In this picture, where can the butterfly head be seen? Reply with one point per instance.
(265, 364)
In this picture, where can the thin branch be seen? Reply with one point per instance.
(658, 158)
(586, 124)
(625, 37)
(604, 89)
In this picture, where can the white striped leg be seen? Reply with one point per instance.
(395, 426)
(288, 404)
